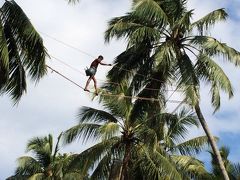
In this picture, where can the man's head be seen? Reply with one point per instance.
(100, 57)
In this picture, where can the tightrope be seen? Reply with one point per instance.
(112, 95)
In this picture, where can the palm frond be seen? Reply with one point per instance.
(88, 114)
(30, 44)
(16, 84)
(4, 57)
(164, 55)
(147, 135)
(121, 27)
(183, 24)
(109, 130)
(27, 166)
(87, 159)
(178, 124)
(192, 146)
(85, 131)
(190, 166)
(157, 166)
(73, 176)
(213, 47)
(151, 11)
(141, 33)
(41, 147)
(235, 171)
(210, 20)
(208, 70)
(102, 170)
(118, 106)
(38, 176)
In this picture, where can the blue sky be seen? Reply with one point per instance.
(51, 105)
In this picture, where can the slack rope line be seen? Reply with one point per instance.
(88, 54)
(109, 82)
(111, 95)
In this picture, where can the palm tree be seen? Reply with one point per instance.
(21, 50)
(161, 38)
(233, 169)
(47, 163)
(135, 148)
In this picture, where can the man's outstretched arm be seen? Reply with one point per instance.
(105, 64)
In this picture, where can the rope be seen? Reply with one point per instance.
(110, 82)
(111, 95)
(68, 45)
(88, 54)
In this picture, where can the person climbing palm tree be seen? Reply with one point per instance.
(92, 71)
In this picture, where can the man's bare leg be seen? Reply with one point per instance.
(88, 81)
(95, 85)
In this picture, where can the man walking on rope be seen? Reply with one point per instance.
(92, 71)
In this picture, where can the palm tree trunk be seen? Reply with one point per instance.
(212, 141)
(126, 159)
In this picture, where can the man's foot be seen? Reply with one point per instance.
(96, 93)
(86, 90)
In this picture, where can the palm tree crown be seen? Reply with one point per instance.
(21, 51)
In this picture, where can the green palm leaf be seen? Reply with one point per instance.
(32, 51)
(109, 130)
(121, 27)
(27, 166)
(16, 84)
(38, 176)
(210, 19)
(4, 57)
(87, 159)
(213, 47)
(178, 124)
(151, 11)
(208, 70)
(102, 170)
(192, 166)
(73, 176)
(192, 146)
(85, 131)
(87, 114)
(157, 166)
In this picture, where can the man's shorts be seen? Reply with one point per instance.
(91, 71)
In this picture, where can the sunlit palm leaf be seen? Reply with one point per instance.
(88, 114)
(210, 19)
(121, 27)
(27, 166)
(213, 47)
(109, 130)
(208, 70)
(151, 11)
(85, 131)
(87, 159)
(191, 166)
(156, 166)
(192, 146)
(178, 124)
